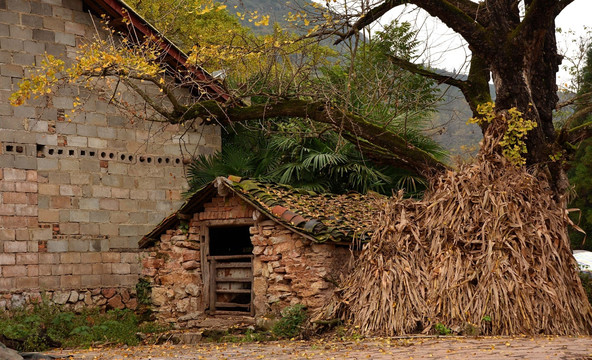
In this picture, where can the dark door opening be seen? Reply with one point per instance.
(230, 240)
(231, 270)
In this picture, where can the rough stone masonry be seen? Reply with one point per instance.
(77, 193)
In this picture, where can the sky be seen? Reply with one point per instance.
(445, 49)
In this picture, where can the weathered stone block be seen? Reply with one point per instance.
(25, 162)
(7, 234)
(57, 246)
(65, 39)
(7, 209)
(120, 268)
(61, 202)
(40, 8)
(69, 164)
(26, 210)
(49, 282)
(77, 216)
(27, 259)
(70, 228)
(14, 271)
(7, 259)
(14, 174)
(40, 234)
(47, 164)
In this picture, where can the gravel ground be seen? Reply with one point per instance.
(573, 348)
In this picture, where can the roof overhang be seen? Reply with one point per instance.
(305, 225)
(176, 59)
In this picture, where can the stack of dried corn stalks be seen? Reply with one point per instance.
(487, 249)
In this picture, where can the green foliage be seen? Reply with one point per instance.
(249, 336)
(442, 329)
(191, 22)
(512, 143)
(42, 326)
(290, 324)
(586, 278)
(369, 84)
(143, 291)
(300, 155)
(316, 157)
(581, 171)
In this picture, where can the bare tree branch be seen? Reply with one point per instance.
(454, 17)
(417, 69)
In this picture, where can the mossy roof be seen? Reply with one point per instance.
(321, 217)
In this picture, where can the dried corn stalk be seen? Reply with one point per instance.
(487, 248)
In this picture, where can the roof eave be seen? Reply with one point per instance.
(175, 57)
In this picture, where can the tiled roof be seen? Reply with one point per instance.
(326, 217)
(320, 217)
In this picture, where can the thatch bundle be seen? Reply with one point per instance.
(486, 248)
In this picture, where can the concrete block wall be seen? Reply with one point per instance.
(78, 192)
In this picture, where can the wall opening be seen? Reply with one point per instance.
(231, 270)
(230, 240)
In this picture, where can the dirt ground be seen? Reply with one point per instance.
(572, 348)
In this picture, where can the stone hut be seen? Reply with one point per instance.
(242, 247)
(76, 196)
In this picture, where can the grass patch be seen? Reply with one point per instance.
(290, 324)
(44, 326)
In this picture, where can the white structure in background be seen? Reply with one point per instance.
(584, 259)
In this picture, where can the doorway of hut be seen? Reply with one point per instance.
(230, 261)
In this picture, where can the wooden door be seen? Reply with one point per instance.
(231, 284)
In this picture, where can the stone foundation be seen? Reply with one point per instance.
(76, 300)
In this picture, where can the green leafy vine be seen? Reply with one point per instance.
(512, 143)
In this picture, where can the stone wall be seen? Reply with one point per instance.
(76, 300)
(78, 192)
(288, 269)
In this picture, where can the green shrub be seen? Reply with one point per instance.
(43, 326)
(442, 329)
(290, 324)
(586, 278)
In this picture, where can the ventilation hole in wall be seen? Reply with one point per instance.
(142, 159)
(82, 152)
(40, 150)
(122, 157)
(91, 153)
(50, 151)
(60, 151)
(9, 148)
(167, 160)
(149, 159)
(159, 160)
(177, 161)
(19, 149)
(111, 155)
(130, 158)
(103, 154)
(61, 114)
(71, 152)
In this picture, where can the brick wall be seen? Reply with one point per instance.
(78, 193)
